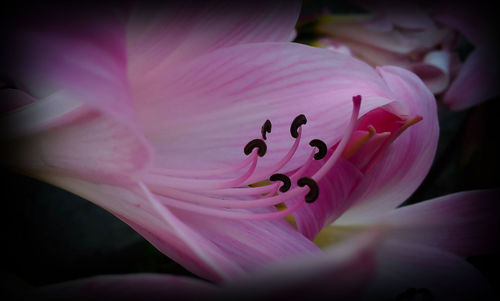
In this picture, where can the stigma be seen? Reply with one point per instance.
(212, 193)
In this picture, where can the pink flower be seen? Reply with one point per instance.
(423, 41)
(160, 116)
(151, 119)
(415, 251)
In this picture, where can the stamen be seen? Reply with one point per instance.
(266, 128)
(225, 197)
(343, 143)
(283, 178)
(256, 143)
(313, 193)
(297, 122)
(321, 146)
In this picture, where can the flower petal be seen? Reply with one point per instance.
(394, 41)
(212, 248)
(73, 65)
(476, 81)
(403, 266)
(174, 32)
(335, 189)
(251, 244)
(406, 162)
(460, 223)
(340, 273)
(201, 115)
(434, 70)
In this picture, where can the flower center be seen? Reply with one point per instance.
(207, 192)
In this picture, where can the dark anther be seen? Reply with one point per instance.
(283, 178)
(256, 143)
(266, 128)
(313, 193)
(297, 122)
(321, 146)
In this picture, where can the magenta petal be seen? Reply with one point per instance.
(82, 59)
(175, 32)
(402, 266)
(461, 223)
(202, 114)
(476, 81)
(251, 244)
(406, 162)
(333, 200)
(341, 273)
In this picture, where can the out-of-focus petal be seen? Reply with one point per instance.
(251, 244)
(403, 266)
(77, 57)
(90, 147)
(162, 228)
(126, 287)
(388, 14)
(168, 34)
(74, 66)
(215, 249)
(406, 162)
(340, 273)
(201, 115)
(476, 81)
(434, 70)
(462, 223)
(394, 41)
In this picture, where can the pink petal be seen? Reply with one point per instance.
(341, 273)
(405, 15)
(125, 287)
(168, 34)
(395, 41)
(434, 70)
(476, 81)
(202, 114)
(90, 147)
(401, 266)
(212, 248)
(251, 244)
(461, 223)
(335, 189)
(406, 162)
(74, 66)
(78, 57)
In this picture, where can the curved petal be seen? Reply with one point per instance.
(460, 223)
(340, 273)
(335, 189)
(202, 114)
(124, 287)
(429, 271)
(251, 244)
(476, 81)
(212, 248)
(406, 162)
(92, 147)
(80, 56)
(395, 41)
(434, 70)
(74, 65)
(172, 33)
